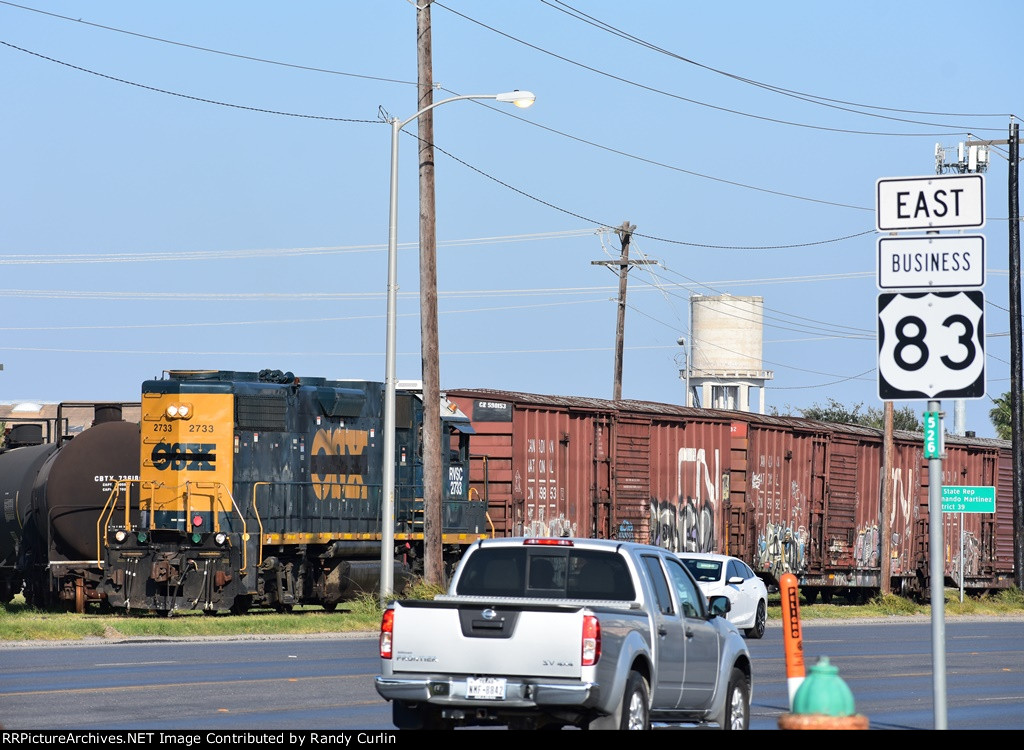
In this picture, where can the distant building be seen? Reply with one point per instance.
(65, 418)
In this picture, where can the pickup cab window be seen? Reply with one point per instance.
(547, 574)
(661, 590)
(691, 598)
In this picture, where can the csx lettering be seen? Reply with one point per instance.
(181, 456)
(338, 463)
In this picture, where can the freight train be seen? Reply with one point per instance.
(53, 484)
(785, 494)
(265, 489)
(241, 489)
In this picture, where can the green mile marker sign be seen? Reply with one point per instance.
(968, 499)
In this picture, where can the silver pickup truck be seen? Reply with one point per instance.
(545, 633)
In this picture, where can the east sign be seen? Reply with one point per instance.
(930, 203)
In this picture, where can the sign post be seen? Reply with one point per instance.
(931, 343)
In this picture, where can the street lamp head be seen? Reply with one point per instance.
(681, 341)
(521, 99)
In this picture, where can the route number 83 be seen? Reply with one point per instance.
(931, 345)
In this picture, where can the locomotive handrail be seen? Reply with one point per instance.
(217, 488)
(259, 521)
(110, 507)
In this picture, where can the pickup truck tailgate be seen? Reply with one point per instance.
(485, 638)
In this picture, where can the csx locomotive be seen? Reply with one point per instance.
(264, 489)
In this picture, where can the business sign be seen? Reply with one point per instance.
(968, 499)
(931, 345)
(933, 202)
(949, 261)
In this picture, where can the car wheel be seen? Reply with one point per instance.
(759, 620)
(636, 704)
(737, 702)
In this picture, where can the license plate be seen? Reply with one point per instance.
(486, 688)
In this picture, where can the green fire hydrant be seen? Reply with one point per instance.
(823, 701)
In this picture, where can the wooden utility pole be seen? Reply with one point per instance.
(884, 512)
(1016, 355)
(1016, 359)
(433, 562)
(625, 233)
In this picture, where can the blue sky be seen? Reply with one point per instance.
(205, 185)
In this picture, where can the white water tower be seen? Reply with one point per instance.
(724, 361)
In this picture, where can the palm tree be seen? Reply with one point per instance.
(1001, 417)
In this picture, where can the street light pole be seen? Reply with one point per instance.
(387, 550)
(686, 370)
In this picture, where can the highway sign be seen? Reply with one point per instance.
(931, 262)
(931, 345)
(933, 202)
(968, 499)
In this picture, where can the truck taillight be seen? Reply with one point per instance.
(591, 641)
(387, 629)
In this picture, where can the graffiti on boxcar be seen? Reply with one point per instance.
(866, 548)
(895, 561)
(683, 527)
(902, 495)
(625, 532)
(781, 549)
(966, 559)
(687, 522)
(537, 525)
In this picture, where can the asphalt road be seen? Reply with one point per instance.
(282, 683)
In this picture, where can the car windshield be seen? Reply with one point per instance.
(704, 570)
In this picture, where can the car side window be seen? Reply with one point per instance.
(691, 599)
(734, 570)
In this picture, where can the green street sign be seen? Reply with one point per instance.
(968, 499)
(932, 434)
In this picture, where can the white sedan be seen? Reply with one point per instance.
(722, 574)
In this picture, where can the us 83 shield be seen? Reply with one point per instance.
(931, 345)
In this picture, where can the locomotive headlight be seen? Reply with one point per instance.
(120, 535)
(178, 411)
(220, 538)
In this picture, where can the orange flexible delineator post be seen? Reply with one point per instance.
(792, 636)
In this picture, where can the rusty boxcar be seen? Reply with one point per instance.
(785, 494)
